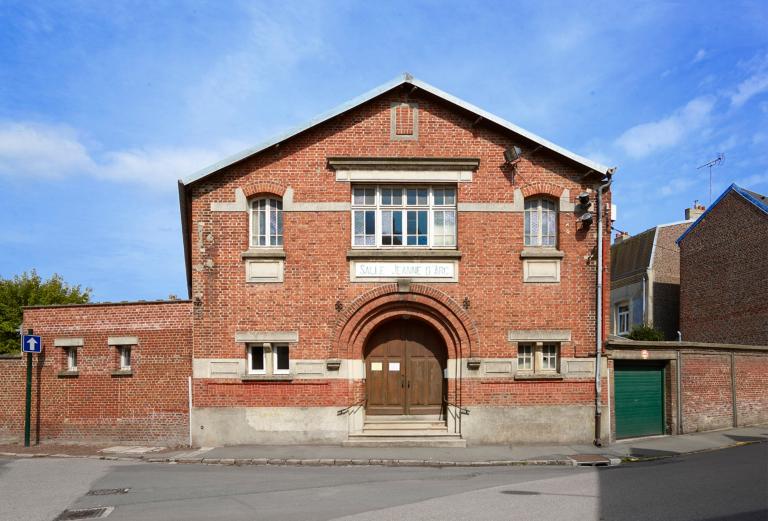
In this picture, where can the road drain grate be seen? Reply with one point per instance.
(85, 513)
(521, 492)
(591, 460)
(107, 491)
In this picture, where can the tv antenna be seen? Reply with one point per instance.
(715, 162)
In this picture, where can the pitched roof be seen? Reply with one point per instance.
(632, 255)
(404, 79)
(758, 200)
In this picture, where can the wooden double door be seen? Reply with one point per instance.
(404, 367)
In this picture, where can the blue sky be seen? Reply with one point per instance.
(103, 105)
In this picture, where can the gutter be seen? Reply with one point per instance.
(599, 311)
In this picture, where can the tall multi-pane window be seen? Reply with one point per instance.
(540, 222)
(266, 222)
(404, 216)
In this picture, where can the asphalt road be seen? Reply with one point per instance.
(730, 484)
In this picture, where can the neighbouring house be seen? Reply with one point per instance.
(380, 272)
(724, 271)
(645, 278)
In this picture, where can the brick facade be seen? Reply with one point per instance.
(149, 405)
(723, 267)
(333, 315)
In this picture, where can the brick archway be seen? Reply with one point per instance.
(385, 302)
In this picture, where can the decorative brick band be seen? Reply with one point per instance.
(385, 302)
(542, 188)
(264, 187)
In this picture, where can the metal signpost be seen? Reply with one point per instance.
(30, 344)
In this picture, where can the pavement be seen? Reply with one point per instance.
(473, 456)
(711, 485)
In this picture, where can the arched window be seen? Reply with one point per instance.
(540, 222)
(266, 222)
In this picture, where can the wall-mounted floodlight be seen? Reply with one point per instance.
(584, 199)
(512, 154)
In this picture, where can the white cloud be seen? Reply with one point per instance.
(30, 150)
(752, 86)
(644, 139)
(676, 185)
(700, 55)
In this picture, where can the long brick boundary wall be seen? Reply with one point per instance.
(721, 385)
(99, 403)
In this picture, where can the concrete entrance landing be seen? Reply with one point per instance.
(405, 431)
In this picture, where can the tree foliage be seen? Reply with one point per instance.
(28, 289)
(645, 333)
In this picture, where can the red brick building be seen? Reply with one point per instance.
(724, 271)
(383, 270)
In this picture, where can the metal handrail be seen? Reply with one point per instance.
(355, 406)
(462, 410)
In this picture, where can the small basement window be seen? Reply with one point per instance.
(538, 357)
(268, 359)
(125, 358)
(281, 361)
(72, 359)
(256, 359)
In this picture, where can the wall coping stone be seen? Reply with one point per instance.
(626, 344)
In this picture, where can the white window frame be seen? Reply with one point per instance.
(540, 361)
(269, 359)
(525, 358)
(623, 314)
(549, 362)
(72, 359)
(278, 237)
(430, 207)
(275, 370)
(125, 358)
(537, 241)
(264, 350)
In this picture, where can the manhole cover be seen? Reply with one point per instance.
(107, 491)
(591, 460)
(85, 513)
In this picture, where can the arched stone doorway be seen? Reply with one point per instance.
(405, 367)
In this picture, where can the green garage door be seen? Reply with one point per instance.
(639, 394)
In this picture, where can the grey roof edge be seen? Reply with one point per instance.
(377, 91)
(744, 193)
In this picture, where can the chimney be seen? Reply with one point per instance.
(620, 236)
(693, 213)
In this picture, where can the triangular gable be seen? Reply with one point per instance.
(750, 197)
(378, 91)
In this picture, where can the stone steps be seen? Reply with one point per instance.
(441, 441)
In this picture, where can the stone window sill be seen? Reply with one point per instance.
(68, 374)
(402, 253)
(266, 377)
(123, 372)
(541, 253)
(263, 253)
(538, 376)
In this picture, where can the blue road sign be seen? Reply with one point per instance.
(31, 344)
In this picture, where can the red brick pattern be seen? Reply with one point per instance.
(404, 120)
(752, 389)
(724, 276)
(148, 406)
(706, 392)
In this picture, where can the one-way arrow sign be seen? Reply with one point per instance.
(31, 344)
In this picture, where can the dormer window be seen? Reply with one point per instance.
(266, 222)
(540, 222)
